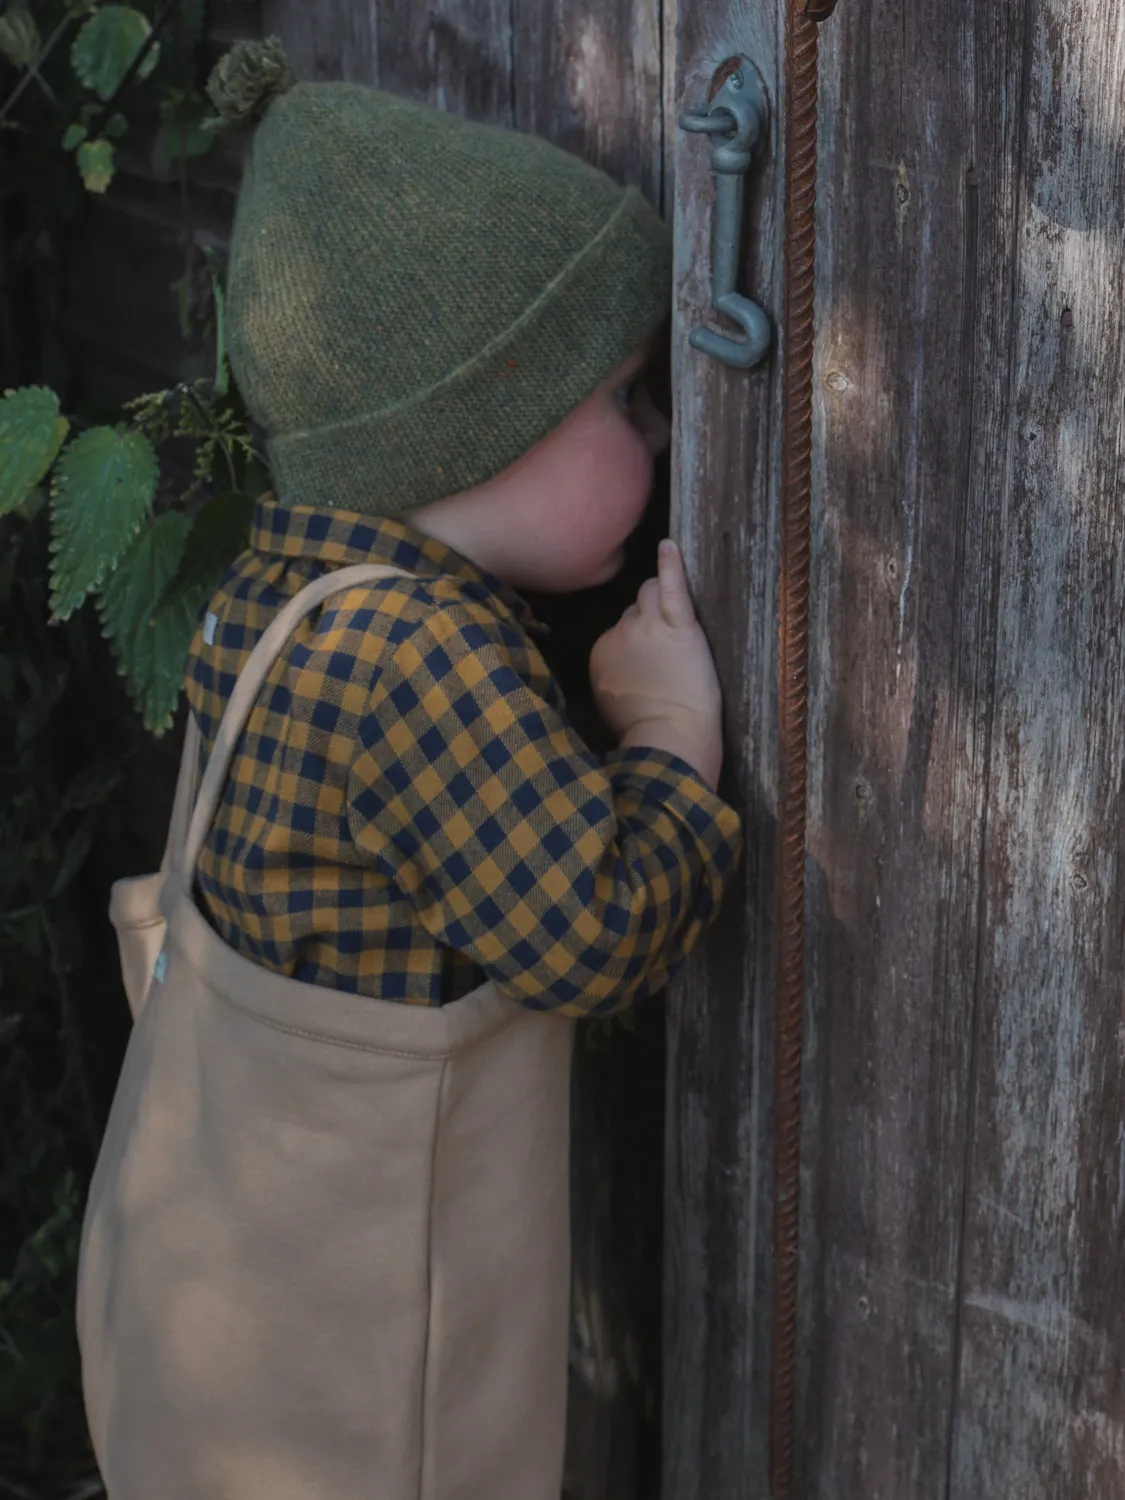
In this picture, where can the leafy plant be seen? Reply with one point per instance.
(149, 565)
(114, 524)
(76, 88)
(109, 44)
(111, 505)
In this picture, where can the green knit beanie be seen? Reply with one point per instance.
(414, 300)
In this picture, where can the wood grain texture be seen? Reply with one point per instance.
(901, 649)
(725, 474)
(1041, 1398)
(328, 39)
(455, 54)
(588, 77)
(964, 1271)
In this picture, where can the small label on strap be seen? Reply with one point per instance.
(160, 968)
(210, 625)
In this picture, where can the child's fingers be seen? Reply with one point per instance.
(648, 598)
(675, 601)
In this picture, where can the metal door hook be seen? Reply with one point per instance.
(735, 121)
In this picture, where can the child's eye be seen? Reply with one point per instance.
(626, 392)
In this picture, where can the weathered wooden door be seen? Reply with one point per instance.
(963, 1270)
(963, 1266)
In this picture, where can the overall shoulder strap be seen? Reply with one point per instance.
(246, 689)
(185, 794)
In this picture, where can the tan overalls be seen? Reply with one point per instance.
(326, 1249)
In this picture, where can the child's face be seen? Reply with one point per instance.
(556, 520)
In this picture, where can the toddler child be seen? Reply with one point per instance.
(326, 1249)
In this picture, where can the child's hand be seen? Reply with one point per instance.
(653, 675)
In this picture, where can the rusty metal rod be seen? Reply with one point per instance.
(793, 654)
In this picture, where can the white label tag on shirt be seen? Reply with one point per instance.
(210, 625)
(160, 968)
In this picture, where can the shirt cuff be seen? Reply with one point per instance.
(658, 778)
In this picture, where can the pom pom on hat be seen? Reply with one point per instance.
(245, 81)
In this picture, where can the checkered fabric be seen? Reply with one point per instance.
(409, 811)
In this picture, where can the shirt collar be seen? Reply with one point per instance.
(339, 537)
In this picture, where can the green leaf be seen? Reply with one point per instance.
(104, 49)
(31, 434)
(151, 647)
(95, 162)
(105, 482)
(75, 135)
(116, 126)
(219, 532)
(19, 36)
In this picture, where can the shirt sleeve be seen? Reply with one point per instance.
(577, 884)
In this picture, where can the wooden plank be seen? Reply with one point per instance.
(903, 639)
(967, 719)
(454, 54)
(1041, 1401)
(331, 39)
(725, 470)
(589, 79)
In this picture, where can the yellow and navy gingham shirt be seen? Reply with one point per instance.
(409, 811)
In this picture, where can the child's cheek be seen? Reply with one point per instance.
(633, 464)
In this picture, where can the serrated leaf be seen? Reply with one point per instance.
(75, 135)
(105, 47)
(31, 434)
(151, 648)
(219, 532)
(104, 487)
(95, 163)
